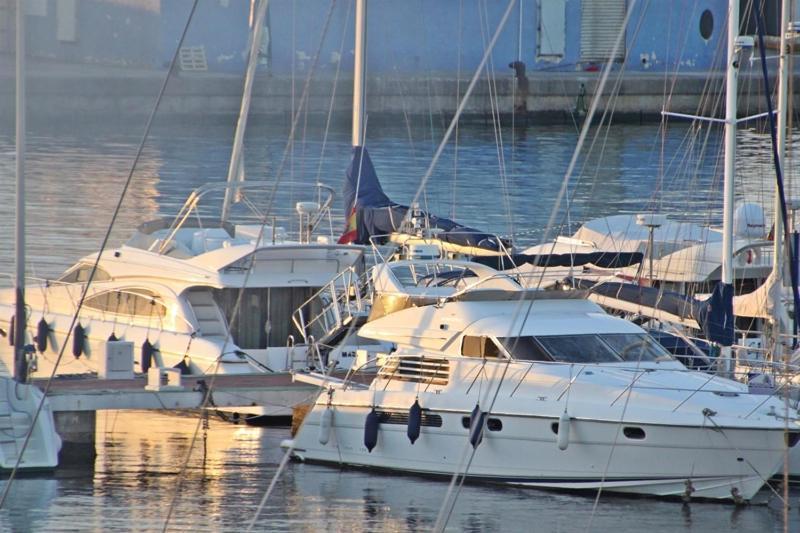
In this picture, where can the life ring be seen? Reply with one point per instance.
(749, 257)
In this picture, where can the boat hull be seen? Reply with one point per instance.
(670, 461)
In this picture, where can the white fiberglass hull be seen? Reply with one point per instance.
(670, 461)
(172, 347)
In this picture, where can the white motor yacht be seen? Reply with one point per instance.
(543, 389)
(173, 290)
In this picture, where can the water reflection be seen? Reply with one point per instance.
(74, 179)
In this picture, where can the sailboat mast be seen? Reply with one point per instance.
(359, 73)
(234, 167)
(783, 106)
(731, 87)
(20, 365)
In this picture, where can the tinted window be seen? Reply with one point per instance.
(136, 302)
(472, 346)
(636, 347)
(578, 349)
(81, 274)
(524, 348)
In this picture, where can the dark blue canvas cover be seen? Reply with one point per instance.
(376, 214)
(715, 315)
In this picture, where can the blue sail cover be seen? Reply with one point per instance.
(718, 326)
(376, 214)
(715, 315)
(598, 259)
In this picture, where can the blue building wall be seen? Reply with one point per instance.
(427, 36)
(405, 38)
(221, 27)
(119, 32)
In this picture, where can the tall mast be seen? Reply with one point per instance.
(234, 167)
(20, 365)
(783, 106)
(359, 72)
(731, 87)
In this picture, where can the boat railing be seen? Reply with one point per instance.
(423, 369)
(309, 224)
(338, 304)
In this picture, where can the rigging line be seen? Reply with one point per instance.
(494, 106)
(607, 113)
(106, 238)
(588, 120)
(297, 113)
(283, 463)
(447, 504)
(236, 311)
(461, 106)
(778, 171)
(333, 93)
(614, 444)
(458, 96)
(207, 395)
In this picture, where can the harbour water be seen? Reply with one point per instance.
(138, 481)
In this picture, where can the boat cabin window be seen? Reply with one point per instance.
(431, 275)
(80, 274)
(133, 302)
(524, 348)
(472, 346)
(636, 347)
(603, 348)
(578, 349)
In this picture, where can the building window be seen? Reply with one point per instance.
(601, 23)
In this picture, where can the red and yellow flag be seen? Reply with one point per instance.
(351, 230)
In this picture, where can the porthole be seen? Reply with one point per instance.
(706, 24)
(633, 433)
(465, 422)
(494, 424)
(554, 427)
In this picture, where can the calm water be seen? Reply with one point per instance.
(75, 177)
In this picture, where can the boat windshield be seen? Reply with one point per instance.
(636, 347)
(599, 348)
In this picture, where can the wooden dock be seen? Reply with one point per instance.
(276, 393)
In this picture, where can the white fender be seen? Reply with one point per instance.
(325, 424)
(563, 431)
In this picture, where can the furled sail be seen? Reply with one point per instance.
(371, 213)
(714, 316)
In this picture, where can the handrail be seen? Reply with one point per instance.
(196, 195)
(338, 289)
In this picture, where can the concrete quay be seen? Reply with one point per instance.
(111, 93)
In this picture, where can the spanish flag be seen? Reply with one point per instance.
(350, 230)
